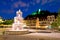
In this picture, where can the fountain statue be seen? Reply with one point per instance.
(18, 25)
(18, 21)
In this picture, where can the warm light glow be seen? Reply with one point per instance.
(37, 23)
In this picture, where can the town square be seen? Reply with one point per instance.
(29, 20)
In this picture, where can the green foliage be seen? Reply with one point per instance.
(58, 19)
(0, 23)
(54, 25)
(7, 22)
(39, 12)
(34, 13)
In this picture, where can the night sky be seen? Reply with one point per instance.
(8, 8)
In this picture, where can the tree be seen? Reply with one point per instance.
(56, 23)
(58, 18)
(8, 22)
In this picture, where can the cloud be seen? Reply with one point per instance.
(11, 0)
(21, 4)
(50, 0)
(46, 1)
(28, 4)
(34, 2)
(7, 11)
(38, 1)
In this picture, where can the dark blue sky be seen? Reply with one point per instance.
(8, 8)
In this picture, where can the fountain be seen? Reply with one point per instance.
(18, 22)
(18, 25)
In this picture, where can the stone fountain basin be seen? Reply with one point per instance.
(20, 32)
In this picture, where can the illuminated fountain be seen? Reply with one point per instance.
(18, 22)
(18, 25)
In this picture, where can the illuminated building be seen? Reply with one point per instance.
(40, 19)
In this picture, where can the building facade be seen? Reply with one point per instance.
(39, 23)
